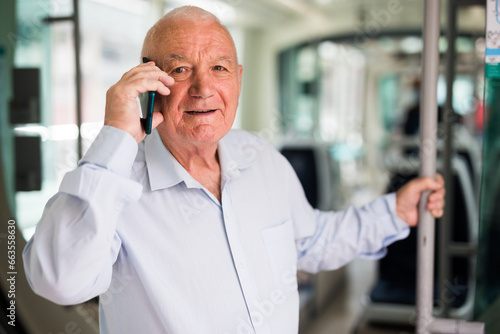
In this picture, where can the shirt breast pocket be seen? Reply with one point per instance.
(282, 254)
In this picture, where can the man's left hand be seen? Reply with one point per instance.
(408, 196)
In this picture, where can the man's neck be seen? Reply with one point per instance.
(194, 157)
(201, 162)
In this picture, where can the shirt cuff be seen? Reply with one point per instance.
(394, 229)
(113, 149)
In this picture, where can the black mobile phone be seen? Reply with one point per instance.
(147, 102)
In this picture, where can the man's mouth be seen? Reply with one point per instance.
(200, 112)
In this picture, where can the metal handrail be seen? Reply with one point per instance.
(426, 324)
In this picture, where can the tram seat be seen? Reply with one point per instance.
(392, 299)
(468, 147)
(465, 146)
(316, 172)
(312, 164)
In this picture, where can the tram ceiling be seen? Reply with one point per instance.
(408, 12)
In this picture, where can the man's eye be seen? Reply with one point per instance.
(219, 68)
(179, 70)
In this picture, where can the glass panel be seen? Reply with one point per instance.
(322, 89)
(111, 43)
(49, 48)
(112, 36)
(487, 303)
(488, 268)
(358, 99)
(389, 93)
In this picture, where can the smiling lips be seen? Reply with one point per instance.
(200, 112)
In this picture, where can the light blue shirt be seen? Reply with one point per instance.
(131, 225)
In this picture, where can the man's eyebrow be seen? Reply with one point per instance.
(177, 57)
(174, 56)
(229, 59)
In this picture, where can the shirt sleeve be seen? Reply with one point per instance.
(69, 259)
(329, 240)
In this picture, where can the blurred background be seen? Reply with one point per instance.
(333, 84)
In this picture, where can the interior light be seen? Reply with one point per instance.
(324, 2)
(411, 44)
(328, 50)
(32, 130)
(63, 132)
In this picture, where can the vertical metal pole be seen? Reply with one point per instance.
(428, 132)
(445, 225)
(75, 18)
(78, 75)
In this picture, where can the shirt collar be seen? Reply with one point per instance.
(165, 171)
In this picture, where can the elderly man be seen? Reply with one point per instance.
(196, 228)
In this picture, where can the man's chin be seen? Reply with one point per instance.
(208, 135)
(202, 135)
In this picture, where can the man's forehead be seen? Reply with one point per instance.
(196, 32)
(183, 40)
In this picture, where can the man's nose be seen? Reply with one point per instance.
(202, 85)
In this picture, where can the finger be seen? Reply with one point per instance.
(149, 63)
(166, 79)
(157, 119)
(159, 81)
(148, 77)
(155, 73)
(437, 195)
(438, 213)
(426, 183)
(143, 83)
(439, 178)
(435, 205)
(161, 75)
(161, 89)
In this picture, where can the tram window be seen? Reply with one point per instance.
(488, 270)
(105, 52)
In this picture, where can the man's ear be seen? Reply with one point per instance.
(240, 73)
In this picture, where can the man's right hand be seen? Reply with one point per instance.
(122, 109)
